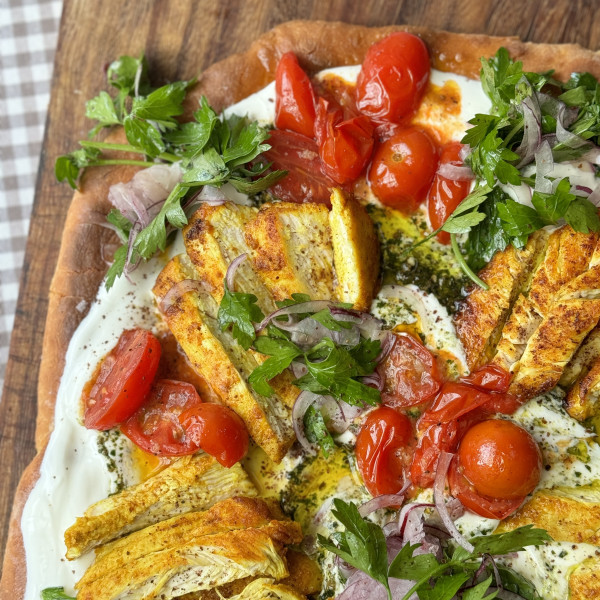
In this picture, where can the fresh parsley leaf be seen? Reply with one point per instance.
(163, 104)
(582, 215)
(282, 352)
(511, 541)
(117, 266)
(66, 169)
(239, 311)
(102, 109)
(444, 587)
(316, 430)
(55, 593)
(478, 591)
(122, 74)
(121, 223)
(516, 583)
(295, 299)
(499, 77)
(519, 221)
(552, 207)
(361, 545)
(407, 565)
(144, 135)
(326, 319)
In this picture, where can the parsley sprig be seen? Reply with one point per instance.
(211, 151)
(362, 544)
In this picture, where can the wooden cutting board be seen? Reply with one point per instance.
(179, 38)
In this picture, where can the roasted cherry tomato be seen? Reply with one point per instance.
(492, 508)
(217, 430)
(393, 78)
(437, 438)
(410, 371)
(345, 145)
(403, 168)
(446, 194)
(123, 380)
(294, 97)
(299, 156)
(500, 459)
(383, 450)
(155, 427)
(490, 378)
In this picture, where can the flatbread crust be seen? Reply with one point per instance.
(87, 244)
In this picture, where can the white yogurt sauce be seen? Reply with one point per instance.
(74, 474)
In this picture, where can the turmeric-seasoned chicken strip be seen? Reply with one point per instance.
(355, 251)
(584, 580)
(189, 484)
(221, 360)
(583, 399)
(291, 249)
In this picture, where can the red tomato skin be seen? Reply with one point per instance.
(294, 97)
(123, 381)
(393, 78)
(299, 156)
(155, 427)
(500, 459)
(218, 431)
(446, 194)
(491, 508)
(345, 145)
(437, 438)
(383, 449)
(489, 378)
(410, 372)
(402, 169)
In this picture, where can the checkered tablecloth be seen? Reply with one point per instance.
(28, 36)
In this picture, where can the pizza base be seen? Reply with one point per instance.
(87, 245)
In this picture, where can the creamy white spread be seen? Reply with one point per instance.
(74, 474)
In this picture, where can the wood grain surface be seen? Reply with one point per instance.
(179, 38)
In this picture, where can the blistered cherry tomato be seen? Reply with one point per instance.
(446, 194)
(299, 156)
(410, 371)
(383, 450)
(402, 169)
(217, 430)
(345, 144)
(155, 426)
(393, 78)
(500, 459)
(123, 380)
(294, 97)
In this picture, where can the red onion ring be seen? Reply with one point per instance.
(403, 516)
(232, 268)
(303, 401)
(532, 131)
(212, 196)
(178, 290)
(544, 164)
(383, 501)
(455, 172)
(438, 496)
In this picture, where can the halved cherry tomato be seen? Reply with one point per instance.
(411, 373)
(402, 169)
(345, 145)
(383, 450)
(437, 438)
(484, 506)
(393, 78)
(123, 380)
(446, 194)
(500, 459)
(156, 427)
(217, 430)
(294, 97)
(299, 156)
(490, 378)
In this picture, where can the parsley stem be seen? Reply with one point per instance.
(463, 264)
(127, 148)
(121, 161)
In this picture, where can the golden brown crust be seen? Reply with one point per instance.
(317, 45)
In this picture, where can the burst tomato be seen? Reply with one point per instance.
(155, 427)
(393, 78)
(500, 459)
(345, 145)
(294, 97)
(403, 168)
(383, 450)
(123, 380)
(446, 194)
(410, 372)
(299, 156)
(217, 430)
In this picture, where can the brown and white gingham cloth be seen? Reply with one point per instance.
(28, 36)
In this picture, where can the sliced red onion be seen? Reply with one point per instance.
(383, 501)
(544, 164)
(406, 510)
(519, 193)
(594, 197)
(213, 196)
(584, 190)
(455, 172)
(391, 529)
(438, 496)
(178, 290)
(339, 415)
(312, 306)
(369, 326)
(387, 343)
(303, 401)
(564, 136)
(532, 131)
(232, 268)
(464, 152)
(362, 587)
(299, 369)
(344, 568)
(375, 381)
